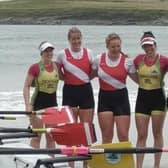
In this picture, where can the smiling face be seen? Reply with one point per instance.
(114, 48)
(47, 54)
(75, 40)
(149, 49)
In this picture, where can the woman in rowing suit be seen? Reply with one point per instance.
(151, 68)
(112, 68)
(44, 76)
(75, 68)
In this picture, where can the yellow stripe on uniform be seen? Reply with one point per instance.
(157, 112)
(110, 160)
(142, 115)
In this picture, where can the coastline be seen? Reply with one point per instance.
(84, 12)
(153, 18)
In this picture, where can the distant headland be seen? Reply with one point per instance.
(84, 12)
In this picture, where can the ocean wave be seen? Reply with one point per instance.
(13, 100)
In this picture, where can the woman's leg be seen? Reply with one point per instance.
(36, 123)
(50, 143)
(123, 125)
(86, 115)
(142, 122)
(157, 128)
(106, 123)
(75, 111)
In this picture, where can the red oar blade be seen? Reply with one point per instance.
(76, 134)
(54, 116)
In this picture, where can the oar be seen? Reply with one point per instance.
(33, 130)
(7, 118)
(17, 135)
(51, 116)
(80, 150)
(14, 130)
(68, 134)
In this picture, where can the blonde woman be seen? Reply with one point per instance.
(112, 68)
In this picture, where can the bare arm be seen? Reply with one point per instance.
(26, 92)
(60, 73)
(93, 74)
(134, 77)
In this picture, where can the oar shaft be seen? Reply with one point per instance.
(7, 118)
(86, 150)
(16, 112)
(17, 135)
(54, 131)
(78, 151)
(25, 151)
(34, 130)
(133, 150)
(13, 130)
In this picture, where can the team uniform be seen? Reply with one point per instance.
(151, 96)
(113, 94)
(77, 90)
(45, 82)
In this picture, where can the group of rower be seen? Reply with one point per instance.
(77, 66)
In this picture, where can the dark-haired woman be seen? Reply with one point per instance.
(44, 74)
(151, 68)
(112, 68)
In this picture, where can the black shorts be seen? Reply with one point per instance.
(150, 100)
(44, 100)
(78, 96)
(115, 101)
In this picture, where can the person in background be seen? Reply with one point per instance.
(112, 68)
(151, 102)
(75, 68)
(44, 76)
